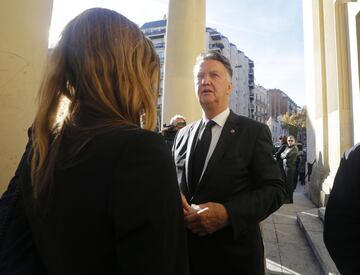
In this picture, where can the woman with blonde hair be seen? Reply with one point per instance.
(100, 189)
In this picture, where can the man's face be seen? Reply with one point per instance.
(291, 141)
(213, 85)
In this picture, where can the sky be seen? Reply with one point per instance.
(269, 32)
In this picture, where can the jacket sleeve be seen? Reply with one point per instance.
(279, 151)
(14, 180)
(342, 216)
(146, 208)
(267, 191)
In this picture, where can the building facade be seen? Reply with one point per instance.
(156, 31)
(276, 129)
(260, 104)
(280, 103)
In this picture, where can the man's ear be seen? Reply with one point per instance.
(230, 88)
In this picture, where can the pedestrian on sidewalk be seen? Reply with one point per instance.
(342, 215)
(289, 157)
(283, 146)
(301, 161)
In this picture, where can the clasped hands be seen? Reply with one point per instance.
(205, 219)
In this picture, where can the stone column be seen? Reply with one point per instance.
(328, 89)
(315, 83)
(185, 39)
(353, 8)
(24, 29)
(338, 87)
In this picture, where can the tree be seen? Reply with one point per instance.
(295, 122)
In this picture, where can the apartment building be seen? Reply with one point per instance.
(260, 104)
(280, 103)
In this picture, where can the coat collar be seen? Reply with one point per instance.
(189, 151)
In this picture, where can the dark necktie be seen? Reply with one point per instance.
(200, 153)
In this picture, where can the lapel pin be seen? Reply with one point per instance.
(232, 131)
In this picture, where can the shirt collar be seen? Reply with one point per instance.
(220, 119)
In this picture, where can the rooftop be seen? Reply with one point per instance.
(154, 24)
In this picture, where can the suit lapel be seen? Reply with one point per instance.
(190, 150)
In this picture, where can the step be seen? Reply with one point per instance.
(313, 228)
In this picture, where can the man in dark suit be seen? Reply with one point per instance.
(228, 176)
(342, 215)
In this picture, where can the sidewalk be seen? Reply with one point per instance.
(286, 249)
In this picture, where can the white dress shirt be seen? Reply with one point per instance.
(216, 130)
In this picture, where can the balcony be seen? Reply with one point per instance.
(159, 45)
(216, 36)
(153, 33)
(216, 46)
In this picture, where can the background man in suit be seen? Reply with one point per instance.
(169, 132)
(226, 171)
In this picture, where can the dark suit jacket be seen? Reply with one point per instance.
(18, 253)
(342, 215)
(242, 175)
(116, 209)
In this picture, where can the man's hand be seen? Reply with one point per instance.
(186, 206)
(211, 218)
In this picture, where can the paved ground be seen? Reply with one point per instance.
(286, 248)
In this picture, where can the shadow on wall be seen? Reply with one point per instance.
(315, 170)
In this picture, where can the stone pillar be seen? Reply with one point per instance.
(185, 39)
(338, 87)
(24, 29)
(354, 46)
(328, 88)
(315, 83)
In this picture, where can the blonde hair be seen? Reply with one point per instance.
(102, 73)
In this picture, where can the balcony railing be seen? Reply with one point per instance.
(217, 45)
(154, 32)
(159, 45)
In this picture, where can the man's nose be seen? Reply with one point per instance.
(205, 80)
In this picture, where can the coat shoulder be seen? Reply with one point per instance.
(130, 135)
(353, 152)
(242, 120)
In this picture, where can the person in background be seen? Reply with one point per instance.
(178, 121)
(283, 146)
(301, 162)
(228, 176)
(169, 132)
(342, 215)
(289, 157)
(95, 165)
